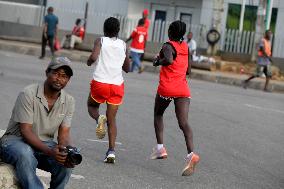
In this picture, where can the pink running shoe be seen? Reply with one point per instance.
(159, 154)
(191, 162)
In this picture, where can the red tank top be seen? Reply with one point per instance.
(173, 81)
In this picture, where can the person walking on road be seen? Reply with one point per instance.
(137, 46)
(110, 57)
(42, 113)
(263, 61)
(174, 58)
(49, 32)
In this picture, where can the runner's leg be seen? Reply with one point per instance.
(111, 122)
(159, 109)
(93, 108)
(181, 109)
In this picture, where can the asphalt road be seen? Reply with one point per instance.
(237, 133)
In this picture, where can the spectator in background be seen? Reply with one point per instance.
(145, 15)
(138, 37)
(75, 37)
(193, 47)
(49, 32)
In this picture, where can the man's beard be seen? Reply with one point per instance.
(55, 88)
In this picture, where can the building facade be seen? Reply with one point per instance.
(199, 15)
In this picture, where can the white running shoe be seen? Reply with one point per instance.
(100, 129)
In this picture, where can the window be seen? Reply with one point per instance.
(234, 14)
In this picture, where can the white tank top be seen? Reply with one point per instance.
(108, 67)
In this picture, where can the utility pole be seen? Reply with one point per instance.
(242, 16)
(86, 18)
(241, 25)
(260, 26)
(268, 14)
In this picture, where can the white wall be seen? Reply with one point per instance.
(21, 13)
(69, 10)
(95, 6)
(135, 8)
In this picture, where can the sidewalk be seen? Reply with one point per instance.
(228, 78)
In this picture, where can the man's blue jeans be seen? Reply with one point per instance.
(25, 160)
(135, 60)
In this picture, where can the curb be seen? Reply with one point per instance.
(82, 56)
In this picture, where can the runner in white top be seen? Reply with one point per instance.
(110, 57)
(108, 67)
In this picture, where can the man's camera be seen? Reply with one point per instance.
(73, 155)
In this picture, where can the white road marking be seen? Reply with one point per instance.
(103, 141)
(77, 176)
(261, 108)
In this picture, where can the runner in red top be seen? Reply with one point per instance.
(174, 58)
(173, 77)
(137, 46)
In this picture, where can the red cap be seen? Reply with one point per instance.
(146, 12)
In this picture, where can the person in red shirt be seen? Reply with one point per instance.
(145, 15)
(175, 59)
(76, 36)
(137, 46)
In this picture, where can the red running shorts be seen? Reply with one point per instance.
(106, 93)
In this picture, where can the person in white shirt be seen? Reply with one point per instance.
(110, 58)
(193, 47)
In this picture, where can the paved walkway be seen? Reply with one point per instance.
(81, 56)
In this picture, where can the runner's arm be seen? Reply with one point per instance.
(95, 53)
(188, 72)
(168, 58)
(126, 64)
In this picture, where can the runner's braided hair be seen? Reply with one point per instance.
(177, 30)
(111, 27)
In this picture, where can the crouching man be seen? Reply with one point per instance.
(41, 112)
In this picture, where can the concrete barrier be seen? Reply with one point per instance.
(7, 174)
(8, 179)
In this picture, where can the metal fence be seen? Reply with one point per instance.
(243, 42)
(238, 42)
